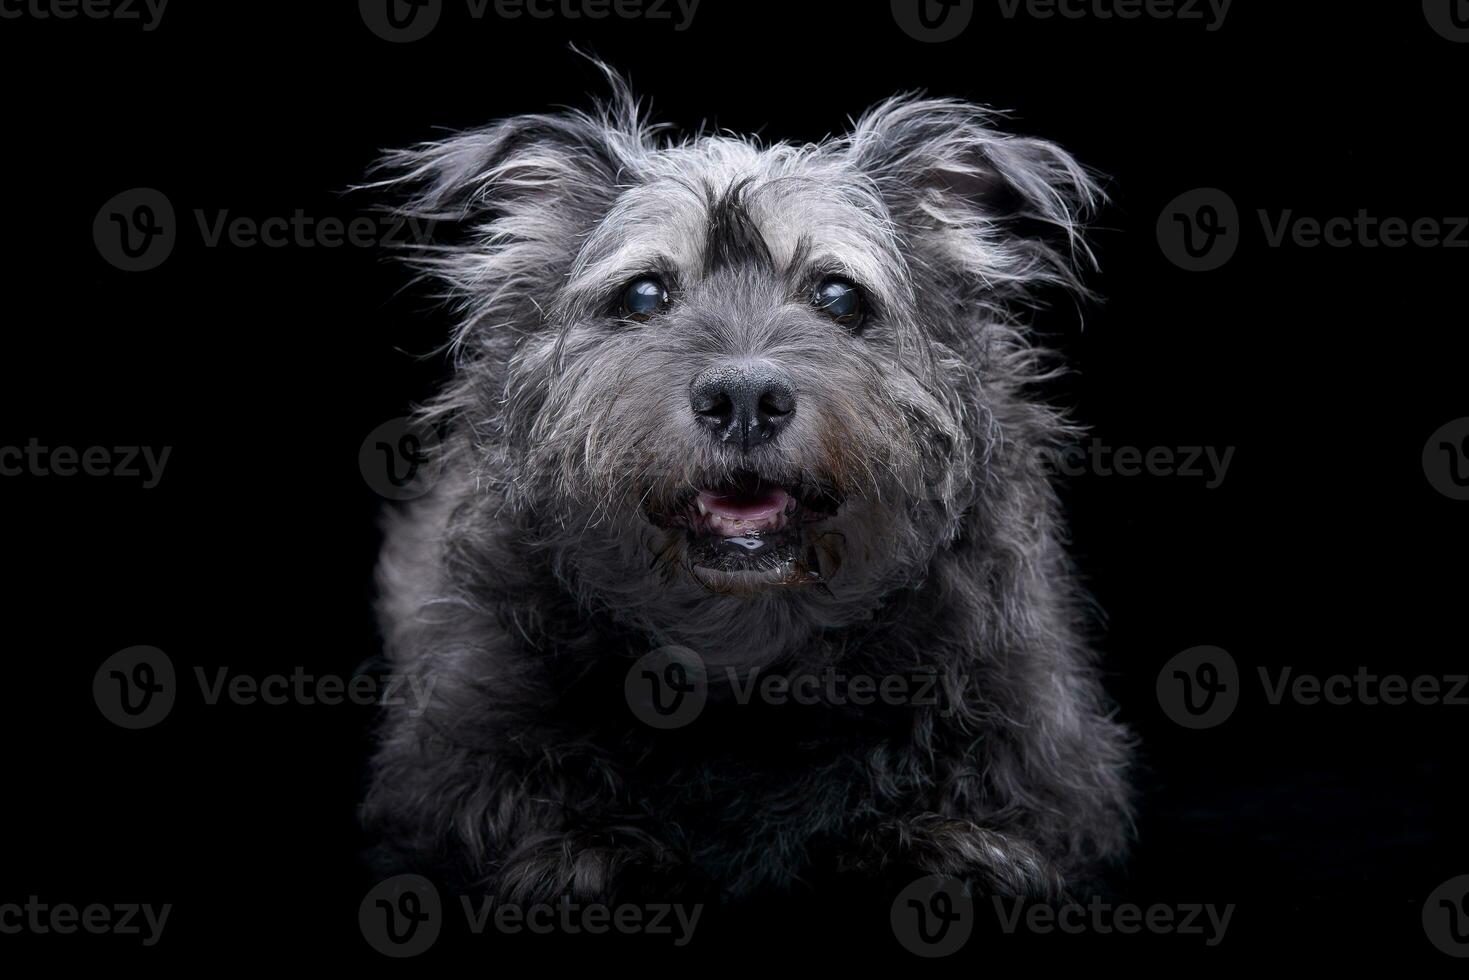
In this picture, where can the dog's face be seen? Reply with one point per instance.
(714, 372)
(731, 396)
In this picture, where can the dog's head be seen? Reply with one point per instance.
(706, 367)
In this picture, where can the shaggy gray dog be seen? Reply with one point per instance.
(770, 407)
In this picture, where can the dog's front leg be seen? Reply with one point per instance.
(992, 862)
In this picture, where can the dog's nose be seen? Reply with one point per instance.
(743, 404)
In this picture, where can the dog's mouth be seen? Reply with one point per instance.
(749, 525)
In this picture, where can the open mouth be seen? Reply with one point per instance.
(751, 525)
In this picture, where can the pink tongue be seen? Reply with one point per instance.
(751, 508)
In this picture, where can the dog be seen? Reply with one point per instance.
(766, 414)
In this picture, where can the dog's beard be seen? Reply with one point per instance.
(744, 533)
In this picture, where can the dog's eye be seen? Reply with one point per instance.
(643, 297)
(839, 300)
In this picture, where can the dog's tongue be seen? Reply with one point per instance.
(732, 514)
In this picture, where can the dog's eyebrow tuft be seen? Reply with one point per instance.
(733, 238)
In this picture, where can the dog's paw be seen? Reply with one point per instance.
(991, 862)
(594, 868)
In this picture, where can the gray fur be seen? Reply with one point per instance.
(529, 580)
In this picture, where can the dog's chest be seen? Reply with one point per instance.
(750, 813)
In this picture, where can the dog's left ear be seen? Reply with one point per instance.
(1006, 211)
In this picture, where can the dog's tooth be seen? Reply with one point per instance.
(700, 503)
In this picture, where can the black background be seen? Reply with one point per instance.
(1327, 369)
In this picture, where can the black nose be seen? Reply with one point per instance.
(743, 404)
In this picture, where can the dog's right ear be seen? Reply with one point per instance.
(507, 204)
(480, 173)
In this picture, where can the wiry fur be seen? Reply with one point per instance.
(529, 580)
